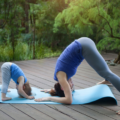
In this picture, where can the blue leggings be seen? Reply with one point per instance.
(96, 61)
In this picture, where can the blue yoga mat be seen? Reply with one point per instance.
(81, 96)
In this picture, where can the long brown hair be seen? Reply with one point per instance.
(57, 91)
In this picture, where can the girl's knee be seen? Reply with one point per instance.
(109, 75)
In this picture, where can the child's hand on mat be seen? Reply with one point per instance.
(8, 90)
(118, 112)
(42, 99)
(30, 97)
(45, 90)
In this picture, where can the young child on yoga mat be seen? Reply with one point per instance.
(12, 71)
(66, 67)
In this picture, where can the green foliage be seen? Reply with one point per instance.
(25, 37)
(50, 53)
(6, 52)
(57, 23)
(44, 52)
(74, 18)
(83, 15)
(16, 44)
(4, 36)
(45, 16)
(21, 51)
(109, 43)
(40, 50)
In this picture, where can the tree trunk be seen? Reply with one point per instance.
(2, 23)
(13, 42)
(117, 60)
(33, 37)
(31, 1)
(25, 21)
(27, 18)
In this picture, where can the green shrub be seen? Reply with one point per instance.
(40, 51)
(21, 51)
(6, 53)
(50, 53)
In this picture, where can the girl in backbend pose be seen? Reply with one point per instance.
(66, 67)
(10, 70)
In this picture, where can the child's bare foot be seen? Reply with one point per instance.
(6, 98)
(104, 82)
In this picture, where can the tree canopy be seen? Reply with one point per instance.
(29, 26)
(83, 15)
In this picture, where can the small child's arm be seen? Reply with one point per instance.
(21, 91)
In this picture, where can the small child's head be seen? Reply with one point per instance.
(27, 89)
